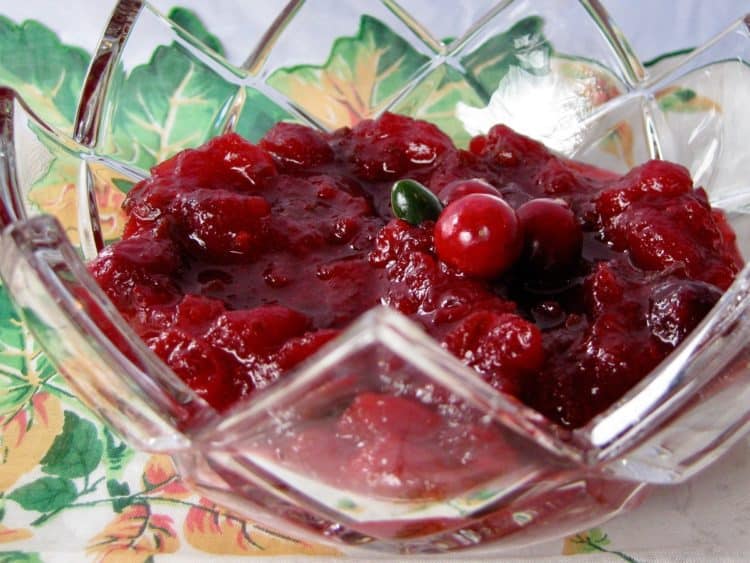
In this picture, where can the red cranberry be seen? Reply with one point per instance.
(199, 365)
(196, 312)
(228, 162)
(501, 346)
(300, 348)
(376, 415)
(238, 259)
(555, 178)
(602, 289)
(398, 238)
(393, 145)
(221, 225)
(659, 176)
(137, 272)
(553, 238)
(460, 188)
(391, 467)
(246, 333)
(676, 308)
(478, 234)
(297, 146)
(506, 147)
(654, 179)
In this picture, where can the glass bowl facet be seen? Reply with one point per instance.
(561, 73)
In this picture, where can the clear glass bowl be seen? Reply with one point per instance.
(560, 72)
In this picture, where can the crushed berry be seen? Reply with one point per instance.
(240, 261)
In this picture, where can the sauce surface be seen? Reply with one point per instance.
(240, 261)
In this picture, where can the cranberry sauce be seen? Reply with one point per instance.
(558, 283)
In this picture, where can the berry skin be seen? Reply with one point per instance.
(296, 146)
(479, 235)
(228, 162)
(247, 333)
(138, 272)
(460, 188)
(502, 347)
(300, 348)
(676, 308)
(375, 415)
(505, 147)
(553, 238)
(556, 178)
(393, 145)
(200, 365)
(221, 225)
(654, 179)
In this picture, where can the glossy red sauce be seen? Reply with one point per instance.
(240, 261)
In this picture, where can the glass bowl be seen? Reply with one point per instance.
(560, 72)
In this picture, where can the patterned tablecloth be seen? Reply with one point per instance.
(72, 490)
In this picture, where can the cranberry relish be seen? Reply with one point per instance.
(239, 261)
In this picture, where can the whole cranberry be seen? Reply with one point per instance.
(479, 235)
(553, 237)
(460, 188)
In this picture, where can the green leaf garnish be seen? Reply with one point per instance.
(414, 203)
